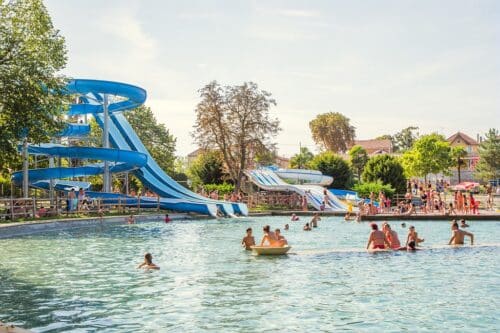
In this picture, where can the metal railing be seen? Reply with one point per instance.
(36, 208)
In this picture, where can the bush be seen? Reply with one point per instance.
(364, 189)
(223, 188)
(386, 169)
(335, 166)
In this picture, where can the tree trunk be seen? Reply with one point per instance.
(458, 169)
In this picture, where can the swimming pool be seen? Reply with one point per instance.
(86, 280)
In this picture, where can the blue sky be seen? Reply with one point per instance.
(384, 64)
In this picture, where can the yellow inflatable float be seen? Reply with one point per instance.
(270, 251)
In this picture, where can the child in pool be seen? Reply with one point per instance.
(148, 262)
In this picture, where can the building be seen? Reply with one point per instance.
(471, 146)
(375, 147)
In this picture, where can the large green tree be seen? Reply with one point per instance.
(386, 169)
(332, 131)
(155, 136)
(430, 154)
(335, 166)
(32, 52)
(207, 168)
(235, 120)
(301, 160)
(488, 166)
(358, 157)
(402, 140)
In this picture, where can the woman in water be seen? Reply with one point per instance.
(148, 262)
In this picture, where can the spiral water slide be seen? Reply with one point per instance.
(128, 154)
(268, 179)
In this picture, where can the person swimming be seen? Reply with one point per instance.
(457, 235)
(391, 235)
(148, 262)
(463, 224)
(270, 239)
(248, 241)
(294, 217)
(413, 236)
(287, 226)
(280, 237)
(314, 220)
(307, 227)
(167, 218)
(377, 239)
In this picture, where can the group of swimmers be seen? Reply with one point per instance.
(388, 238)
(270, 238)
(308, 226)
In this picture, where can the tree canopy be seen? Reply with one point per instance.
(386, 169)
(332, 131)
(235, 120)
(207, 168)
(358, 157)
(430, 154)
(402, 140)
(335, 166)
(32, 52)
(488, 167)
(457, 157)
(302, 159)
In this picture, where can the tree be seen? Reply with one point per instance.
(32, 53)
(488, 167)
(335, 166)
(404, 139)
(300, 160)
(236, 121)
(457, 156)
(155, 136)
(207, 168)
(358, 157)
(430, 154)
(386, 169)
(332, 131)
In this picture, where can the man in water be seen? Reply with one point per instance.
(315, 219)
(413, 236)
(457, 235)
(270, 238)
(248, 241)
(377, 238)
(307, 227)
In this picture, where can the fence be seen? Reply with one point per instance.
(29, 208)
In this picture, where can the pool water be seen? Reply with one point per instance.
(86, 280)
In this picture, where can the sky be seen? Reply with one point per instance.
(384, 64)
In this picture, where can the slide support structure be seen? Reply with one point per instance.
(105, 144)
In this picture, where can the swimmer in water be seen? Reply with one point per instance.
(280, 237)
(377, 239)
(457, 235)
(131, 219)
(294, 217)
(167, 218)
(270, 239)
(391, 235)
(413, 236)
(463, 224)
(307, 227)
(403, 225)
(148, 262)
(314, 220)
(287, 226)
(248, 241)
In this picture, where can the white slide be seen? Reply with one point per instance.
(268, 180)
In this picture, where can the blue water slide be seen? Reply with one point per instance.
(90, 98)
(152, 174)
